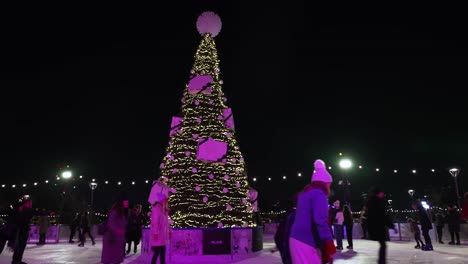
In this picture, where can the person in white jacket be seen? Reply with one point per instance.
(160, 229)
(338, 226)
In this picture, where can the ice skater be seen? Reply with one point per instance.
(414, 228)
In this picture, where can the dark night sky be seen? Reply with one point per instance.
(97, 90)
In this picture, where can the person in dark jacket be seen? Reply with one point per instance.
(378, 221)
(85, 229)
(282, 234)
(414, 228)
(363, 222)
(43, 223)
(440, 222)
(453, 219)
(426, 224)
(23, 216)
(348, 223)
(73, 226)
(134, 228)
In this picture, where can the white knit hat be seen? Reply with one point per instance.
(321, 173)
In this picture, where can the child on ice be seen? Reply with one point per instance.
(417, 233)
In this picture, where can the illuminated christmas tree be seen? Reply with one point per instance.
(203, 164)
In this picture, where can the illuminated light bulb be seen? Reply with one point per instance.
(414, 171)
(377, 169)
(119, 183)
(46, 181)
(395, 171)
(133, 183)
(35, 184)
(106, 182)
(24, 185)
(284, 177)
(254, 179)
(360, 166)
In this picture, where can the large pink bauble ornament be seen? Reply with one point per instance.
(197, 188)
(198, 120)
(171, 157)
(161, 166)
(228, 135)
(238, 184)
(194, 170)
(249, 208)
(173, 190)
(197, 102)
(233, 160)
(187, 153)
(245, 224)
(174, 170)
(220, 225)
(226, 177)
(221, 82)
(182, 100)
(241, 159)
(209, 22)
(192, 71)
(220, 117)
(225, 190)
(211, 176)
(216, 70)
(228, 207)
(237, 171)
(195, 136)
(205, 199)
(244, 201)
(166, 179)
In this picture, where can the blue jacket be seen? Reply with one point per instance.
(311, 222)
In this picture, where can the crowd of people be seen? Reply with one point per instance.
(122, 227)
(308, 232)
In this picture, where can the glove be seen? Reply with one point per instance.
(328, 251)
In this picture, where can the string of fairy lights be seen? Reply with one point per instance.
(59, 179)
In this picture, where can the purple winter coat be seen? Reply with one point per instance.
(311, 221)
(113, 242)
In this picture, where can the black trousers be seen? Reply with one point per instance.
(452, 236)
(157, 251)
(83, 236)
(364, 230)
(382, 252)
(426, 236)
(20, 245)
(439, 232)
(42, 239)
(417, 237)
(72, 232)
(349, 234)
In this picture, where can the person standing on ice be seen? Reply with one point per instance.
(160, 228)
(310, 240)
(378, 221)
(113, 242)
(22, 220)
(426, 224)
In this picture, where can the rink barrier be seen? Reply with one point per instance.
(404, 233)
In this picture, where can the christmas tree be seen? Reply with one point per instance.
(203, 165)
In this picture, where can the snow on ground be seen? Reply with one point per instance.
(365, 252)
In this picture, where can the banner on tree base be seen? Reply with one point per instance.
(241, 241)
(216, 241)
(187, 242)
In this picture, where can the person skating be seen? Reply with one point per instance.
(134, 228)
(22, 218)
(84, 229)
(453, 219)
(363, 222)
(338, 228)
(43, 223)
(348, 224)
(73, 226)
(426, 225)
(160, 229)
(310, 240)
(378, 221)
(113, 241)
(414, 228)
(440, 222)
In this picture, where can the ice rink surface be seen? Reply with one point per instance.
(364, 252)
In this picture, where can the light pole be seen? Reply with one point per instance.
(93, 186)
(65, 194)
(345, 164)
(454, 172)
(411, 193)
